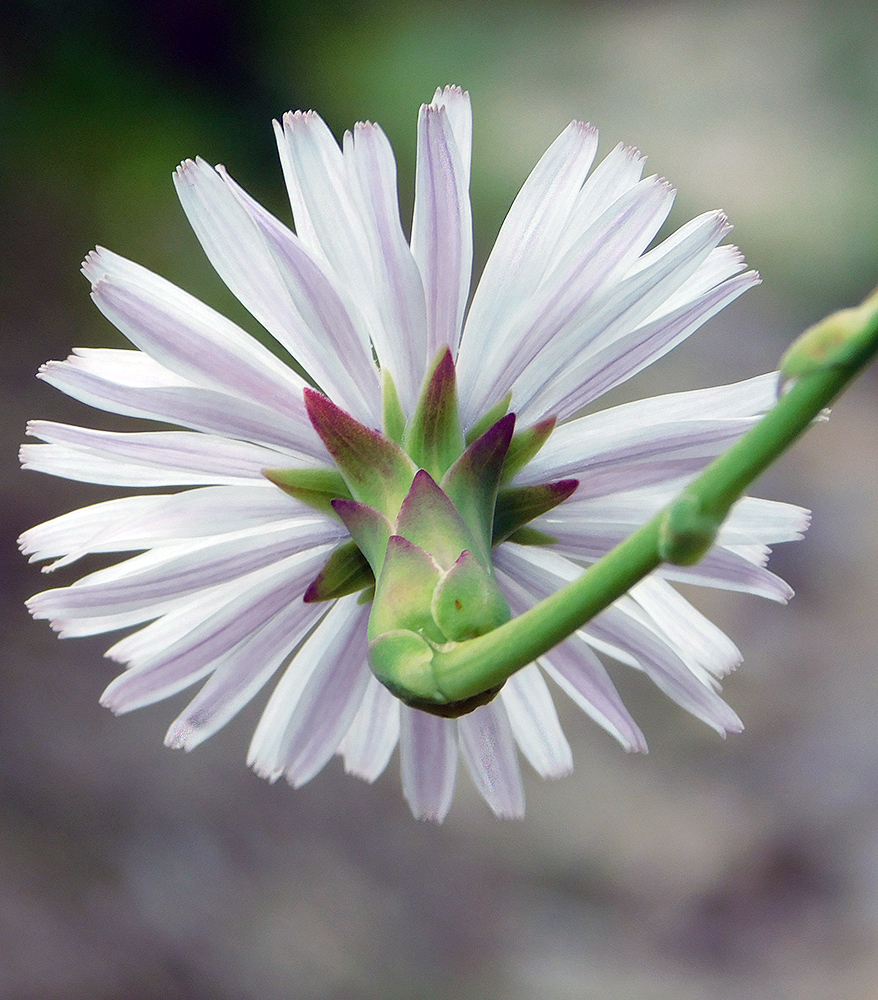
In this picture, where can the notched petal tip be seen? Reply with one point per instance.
(451, 90)
(180, 736)
(295, 118)
(586, 128)
(93, 266)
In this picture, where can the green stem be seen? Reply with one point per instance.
(825, 359)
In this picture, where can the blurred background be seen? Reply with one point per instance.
(738, 869)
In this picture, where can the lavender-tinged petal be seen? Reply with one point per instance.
(397, 290)
(189, 337)
(525, 246)
(182, 646)
(273, 276)
(330, 336)
(327, 220)
(241, 673)
(624, 635)
(601, 319)
(535, 724)
(174, 571)
(369, 743)
(442, 239)
(700, 422)
(234, 245)
(753, 519)
(572, 664)
(150, 458)
(695, 637)
(330, 194)
(488, 750)
(721, 264)
(342, 624)
(184, 405)
(722, 567)
(727, 569)
(457, 106)
(655, 455)
(613, 177)
(428, 762)
(77, 464)
(599, 371)
(126, 367)
(308, 730)
(557, 312)
(145, 521)
(664, 667)
(576, 669)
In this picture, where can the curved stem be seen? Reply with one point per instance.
(824, 360)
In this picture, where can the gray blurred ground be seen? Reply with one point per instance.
(738, 869)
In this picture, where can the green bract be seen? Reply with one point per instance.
(424, 507)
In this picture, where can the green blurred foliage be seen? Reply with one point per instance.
(764, 110)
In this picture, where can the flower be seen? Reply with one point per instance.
(572, 302)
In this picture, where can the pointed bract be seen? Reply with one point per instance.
(472, 481)
(433, 437)
(378, 472)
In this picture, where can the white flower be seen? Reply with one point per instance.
(571, 303)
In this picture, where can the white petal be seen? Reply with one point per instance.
(326, 332)
(624, 635)
(234, 245)
(140, 588)
(189, 337)
(605, 317)
(488, 749)
(561, 317)
(664, 667)
(241, 673)
(304, 722)
(143, 521)
(721, 263)
(456, 103)
(597, 371)
(613, 177)
(535, 724)
(186, 405)
(185, 644)
(751, 519)
(428, 761)
(525, 247)
(764, 521)
(150, 458)
(576, 669)
(571, 664)
(442, 242)
(728, 569)
(327, 221)
(346, 210)
(694, 637)
(679, 430)
(369, 743)
(400, 335)
(129, 368)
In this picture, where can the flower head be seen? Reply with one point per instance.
(429, 479)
